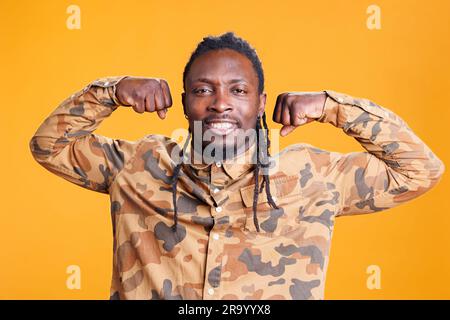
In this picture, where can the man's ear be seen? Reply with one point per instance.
(183, 97)
(262, 103)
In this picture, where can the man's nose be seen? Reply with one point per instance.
(221, 103)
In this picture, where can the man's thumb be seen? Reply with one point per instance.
(162, 113)
(285, 130)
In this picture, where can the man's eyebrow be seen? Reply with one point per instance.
(206, 80)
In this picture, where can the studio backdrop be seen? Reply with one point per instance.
(56, 238)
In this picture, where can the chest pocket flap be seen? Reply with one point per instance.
(280, 188)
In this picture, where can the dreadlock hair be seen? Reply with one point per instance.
(174, 182)
(230, 41)
(260, 154)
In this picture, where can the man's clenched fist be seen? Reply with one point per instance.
(145, 94)
(294, 109)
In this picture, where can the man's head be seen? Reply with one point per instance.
(224, 91)
(223, 85)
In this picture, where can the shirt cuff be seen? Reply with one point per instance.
(110, 83)
(330, 109)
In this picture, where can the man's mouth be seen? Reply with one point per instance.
(221, 127)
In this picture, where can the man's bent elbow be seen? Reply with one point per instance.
(433, 172)
(38, 153)
(439, 169)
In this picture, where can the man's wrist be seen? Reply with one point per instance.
(109, 83)
(324, 97)
(115, 96)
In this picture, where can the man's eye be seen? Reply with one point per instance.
(240, 91)
(202, 90)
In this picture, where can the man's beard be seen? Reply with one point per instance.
(218, 148)
(229, 147)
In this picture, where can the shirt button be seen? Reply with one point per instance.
(216, 190)
(210, 291)
(218, 164)
(219, 209)
(216, 236)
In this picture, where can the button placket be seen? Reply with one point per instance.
(219, 195)
(215, 250)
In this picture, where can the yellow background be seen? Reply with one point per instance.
(48, 224)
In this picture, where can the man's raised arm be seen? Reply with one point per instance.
(65, 143)
(398, 166)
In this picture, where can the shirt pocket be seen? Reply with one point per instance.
(286, 193)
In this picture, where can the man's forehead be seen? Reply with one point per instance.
(227, 65)
(225, 79)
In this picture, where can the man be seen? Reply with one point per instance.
(222, 228)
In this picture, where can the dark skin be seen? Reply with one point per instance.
(221, 86)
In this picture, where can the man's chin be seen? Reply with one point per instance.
(221, 137)
(224, 143)
(227, 149)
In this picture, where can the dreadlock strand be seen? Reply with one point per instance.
(262, 186)
(255, 199)
(174, 198)
(266, 128)
(256, 176)
(174, 183)
(267, 160)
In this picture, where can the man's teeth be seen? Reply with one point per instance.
(221, 125)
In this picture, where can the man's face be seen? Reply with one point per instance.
(222, 95)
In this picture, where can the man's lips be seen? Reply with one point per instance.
(221, 126)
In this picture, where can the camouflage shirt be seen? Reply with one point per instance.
(216, 252)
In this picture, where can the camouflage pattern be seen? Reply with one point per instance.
(216, 252)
